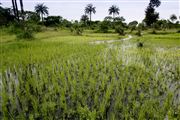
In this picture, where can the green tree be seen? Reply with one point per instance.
(41, 10)
(114, 10)
(84, 19)
(132, 25)
(150, 15)
(108, 18)
(31, 16)
(5, 16)
(155, 3)
(119, 19)
(53, 20)
(89, 9)
(104, 26)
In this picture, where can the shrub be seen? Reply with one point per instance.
(76, 29)
(15, 28)
(119, 30)
(36, 28)
(178, 31)
(153, 32)
(104, 27)
(139, 33)
(140, 44)
(27, 33)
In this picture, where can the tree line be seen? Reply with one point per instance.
(114, 21)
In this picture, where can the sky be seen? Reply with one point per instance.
(74, 9)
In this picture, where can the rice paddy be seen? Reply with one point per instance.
(62, 76)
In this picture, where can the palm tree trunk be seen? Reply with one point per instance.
(17, 12)
(22, 9)
(90, 18)
(42, 17)
(113, 16)
(14, 8)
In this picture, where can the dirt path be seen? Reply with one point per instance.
(111, 41)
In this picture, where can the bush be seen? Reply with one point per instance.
(139, 33)
(27, 33)
(76, 29)
(15, 28)
(178, 31)
(119, 30)
(35, 27)
(104, 27)
(24, 30)
(153, 32)
(140, 44)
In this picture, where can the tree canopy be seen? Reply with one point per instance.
(114, 10)
(41, 10)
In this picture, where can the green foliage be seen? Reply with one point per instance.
(24, 30)
(155, 3)
(5, 16)
(41, 10)
(84, 19)
(53, 20)
(104, 26)
(119, 30)
(138, 33)
(151, 16)
(76, 29)
(26, 33)
(132, 25)
(140, 44)
(114, 10)
(31, 17)
(15, 28)
(89, 9)
(66, 23)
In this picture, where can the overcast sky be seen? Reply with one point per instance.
(129, 9)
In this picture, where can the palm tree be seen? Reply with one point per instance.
(113, 10)
(89, 9)
(41, 10)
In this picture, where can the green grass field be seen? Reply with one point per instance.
(62, 76)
